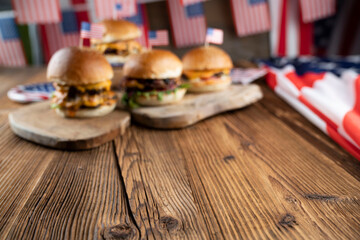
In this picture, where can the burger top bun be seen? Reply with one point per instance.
(153, 64)
(206, 58)
(119, 30)
(75, 66)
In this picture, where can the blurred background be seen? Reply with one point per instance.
(31, 33)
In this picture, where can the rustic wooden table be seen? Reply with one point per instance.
(263, 172)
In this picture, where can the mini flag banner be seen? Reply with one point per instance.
(190, 2)
(158, 38)
(11, 49)
(89, 30)
(194, 10)
(140, 19)
(37, 11)
(59, 35)
(31, 93)
(186, 31)
(316, 9)
(250, 16)
(214, 35)
(246, 76)
(114, 9)
(289, 35)
(326, 92)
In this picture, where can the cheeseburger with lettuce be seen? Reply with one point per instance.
(82, 79)
(153, 78)
(207, 69)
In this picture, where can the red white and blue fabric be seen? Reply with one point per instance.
(114, 9)
(11, 49)
(326, 92)
(250, 16)
(31, 93)
(37, 11)
(214, 35)
(186, 31)
(159, 38)
(190, 2)
(94, 30)
(59, 35)
(289, 35)
(140, 19)
(246, 75)
(317, 9)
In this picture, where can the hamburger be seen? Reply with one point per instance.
(82, 81)
(153, 78)
(118, 41)
(207, 69)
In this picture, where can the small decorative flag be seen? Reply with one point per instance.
(158, 38)
(114, 9)
(11, 49)
(59, 35)
(37, 11)
(186, 31)
(190, 2)
(251, 16)
(93, 30)
(31, 93)
(317, 9)
(194, 10)
(247, 75)
(214, 35)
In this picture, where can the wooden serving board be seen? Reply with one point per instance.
(196, 107)
(40, 124)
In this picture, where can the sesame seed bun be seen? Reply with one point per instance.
(75, 66)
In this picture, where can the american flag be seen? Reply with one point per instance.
(37, 11)
(186, 31)
(190, 2)
(316, 9)
(89, 30)
(326, 92)
(59, 35)
(11, 49)
(289, 35)
(113, 9)
(31, 93)
(141, 21)
(158, 38)
(214, 35)
(246, 76)
(250, 16)
(194, 10)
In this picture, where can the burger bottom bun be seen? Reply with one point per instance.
(87, 112)
(201, 86)
(167, 98)
(115, 59)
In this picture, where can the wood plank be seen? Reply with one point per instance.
(158, 187)
(261, 180)
(79, 196)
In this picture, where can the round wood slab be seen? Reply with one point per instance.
(196, 107)
(40, 124)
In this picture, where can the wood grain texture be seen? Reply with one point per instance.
(262, 172)
(196, 107)
(40, 124)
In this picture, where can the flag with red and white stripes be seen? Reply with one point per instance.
(159, 38)
(250, 16)
(189, 2)
(289, 35)
(94, 30)
(214, 35)
(115, 9)
(316, 9)
(140, 19)
(186, 31)
(326, 92)
(59, 35)
(11, 49)
(37, 11)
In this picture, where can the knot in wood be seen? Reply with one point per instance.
(288, 220)
(122, 231)
(169, 223)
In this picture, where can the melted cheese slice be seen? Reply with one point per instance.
(120, 46)
(134, 83)
(96, 86)
(204, 74)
